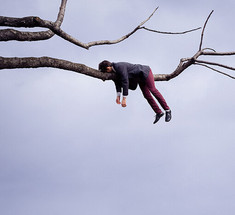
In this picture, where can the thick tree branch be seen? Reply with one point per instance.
(12, 34)
(28, 22)
(33, 62)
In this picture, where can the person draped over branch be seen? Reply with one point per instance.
(129, 76)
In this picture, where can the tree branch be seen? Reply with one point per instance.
(110, 42)
(214, 64)
(167, 32)
(32, 62)
(12, 34)
(40, 62)
(204, 27)
(218, 53)
(28, 22)
(216, 70)
(187, 62)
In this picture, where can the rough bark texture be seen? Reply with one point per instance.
(12, 34)
(33, 62)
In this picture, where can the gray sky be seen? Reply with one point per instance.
(67, 148)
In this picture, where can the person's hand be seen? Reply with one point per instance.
(124, 102)
(118, 100)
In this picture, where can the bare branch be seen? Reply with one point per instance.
(142, 23)
(165, 32)
(215, 64)
(216, 70)
(10, 34)
(33, 62)
(40, 62)
(218, 53)
(73, 40)
(187, 62)
(61, 13)
(183, 65)
(31, 22)
(28, 22)
(213, 50)
(110, 42)
(204, 27)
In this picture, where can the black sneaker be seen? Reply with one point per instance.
(168, 116)
(158, 116)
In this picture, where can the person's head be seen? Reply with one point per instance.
(105, 66)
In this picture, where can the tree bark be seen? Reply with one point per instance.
(55, 28)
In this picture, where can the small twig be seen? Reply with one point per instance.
(215, 64)
(218, 53)
(110, 42)
(142, 23)
(213, 50)
(216, 70)
(165, 32)
(204, 27)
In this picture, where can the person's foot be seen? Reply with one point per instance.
(168, 116)
(158, 116)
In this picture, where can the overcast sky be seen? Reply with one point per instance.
(66, 147)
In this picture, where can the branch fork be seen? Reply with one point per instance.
(186, 62)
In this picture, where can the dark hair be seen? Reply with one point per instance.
(103, 65)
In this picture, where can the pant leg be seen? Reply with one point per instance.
(149, 86)
(149, 98)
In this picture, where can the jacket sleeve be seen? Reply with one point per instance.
(118, 86)
(123, 74)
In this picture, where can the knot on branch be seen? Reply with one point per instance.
(37, 22)
(36, 19)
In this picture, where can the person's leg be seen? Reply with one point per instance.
(149, 98)
(149, 82)
(150, 85)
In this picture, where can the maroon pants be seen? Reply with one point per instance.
(148, 87)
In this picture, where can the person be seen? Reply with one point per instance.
(129, 76)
